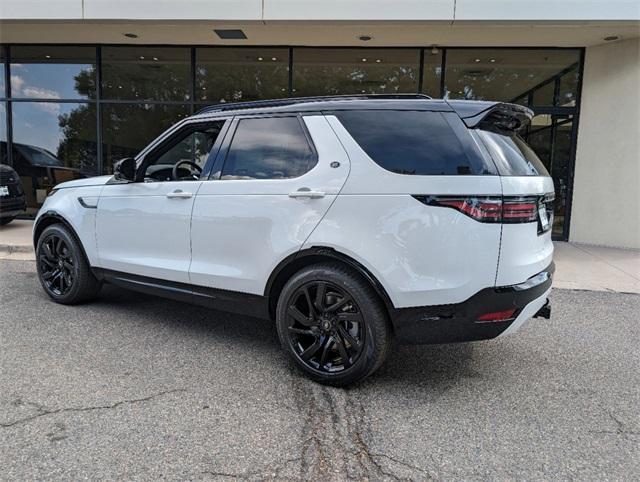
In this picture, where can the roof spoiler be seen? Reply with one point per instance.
(495, 116)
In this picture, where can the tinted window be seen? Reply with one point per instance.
(146, 73)
(268, 148)
(414, 142)
(234, 74)
(322, 71)
(512, 155)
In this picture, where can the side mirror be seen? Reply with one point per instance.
(125, 169)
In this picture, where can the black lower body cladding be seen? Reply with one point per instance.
(459, 322)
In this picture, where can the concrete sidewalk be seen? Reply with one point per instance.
(578, 266)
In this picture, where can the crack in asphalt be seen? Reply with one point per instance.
(334, 443)
(44, 411)
(263, 474)
(621, 428)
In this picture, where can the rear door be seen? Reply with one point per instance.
(526, 247)
(273, 181)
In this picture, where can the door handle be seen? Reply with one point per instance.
(179, 194)
(305, 192)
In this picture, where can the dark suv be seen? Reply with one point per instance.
(12, 200)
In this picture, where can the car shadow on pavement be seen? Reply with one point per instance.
(436, 366)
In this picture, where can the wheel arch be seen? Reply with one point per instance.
(317, 254)
(50, 218)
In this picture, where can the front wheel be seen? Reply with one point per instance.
(62, 267)
(332, 324)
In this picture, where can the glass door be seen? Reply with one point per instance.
(551, 136)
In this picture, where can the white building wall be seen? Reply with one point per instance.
(606, 198)
(318, 10)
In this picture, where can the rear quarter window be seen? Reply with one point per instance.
(512, 155)
(416, 142)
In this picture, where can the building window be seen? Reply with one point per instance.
(2, 72)
(237, 74)
(146, 73)
(355, 71)
(128, 128)
(4, 159)
(52, 143)
(432, 72)
(507, 74)
(52, 72)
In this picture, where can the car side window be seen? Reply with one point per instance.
(191, 149)
(268, 148)
(416, 142)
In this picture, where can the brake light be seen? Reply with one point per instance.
(485, 210)
(489, 209)
(503, 315)
(522, 210)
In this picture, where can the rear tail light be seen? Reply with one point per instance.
(520, 210)
(495, 316)
(490, 209)
(485, 210)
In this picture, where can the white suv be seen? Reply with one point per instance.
(347, 220)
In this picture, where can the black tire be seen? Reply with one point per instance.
(333, 346)
(4, 221)
(62, 267)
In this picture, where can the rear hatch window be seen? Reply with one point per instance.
(420, 143)
(511, 155)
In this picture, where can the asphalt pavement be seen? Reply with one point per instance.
(137, 387)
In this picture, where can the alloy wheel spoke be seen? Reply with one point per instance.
(350, 317)
(58, 246)
(338, 304)
(48, 275)
(325, 351)
(67, 265)
(320, 295)
(299, 317)
(348, 337)
(311, 350)
(307, 297)
(300, 331)
(343, 351)
(48, 252)
(48, 262)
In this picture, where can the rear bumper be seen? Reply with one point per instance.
(459, 322)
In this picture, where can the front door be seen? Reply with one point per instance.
(272, 185)
(143, 227)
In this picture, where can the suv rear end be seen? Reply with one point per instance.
(449, 209)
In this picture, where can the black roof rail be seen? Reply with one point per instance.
(224, 106)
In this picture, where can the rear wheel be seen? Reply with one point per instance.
(332, 324)
(62, 267)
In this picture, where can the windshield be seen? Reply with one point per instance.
(37, 156)
(512, 155)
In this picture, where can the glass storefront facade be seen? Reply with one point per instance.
(71, 111)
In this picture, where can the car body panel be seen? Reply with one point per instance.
(422, 255)
(242, 229)
(66, 204)
(523, 251)
(142, 231)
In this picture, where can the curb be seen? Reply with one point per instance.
(10, 248)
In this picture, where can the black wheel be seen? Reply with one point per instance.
(62, 268)
(4, 221)
(332, 324)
